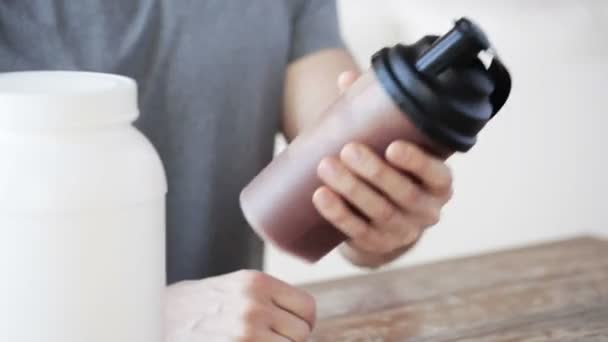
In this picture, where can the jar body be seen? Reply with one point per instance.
(82, 246)
(278, 202)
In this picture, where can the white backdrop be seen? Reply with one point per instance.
(539, 170)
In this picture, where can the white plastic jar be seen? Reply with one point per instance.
(82, 212)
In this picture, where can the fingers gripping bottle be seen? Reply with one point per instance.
(437, 93)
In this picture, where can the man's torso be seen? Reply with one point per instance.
(210, 75)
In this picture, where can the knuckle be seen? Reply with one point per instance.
(350, 187)
(364, 246)
(384, 212)
(411, 237)
(445, 181)
(338, 214)
(253, 280)
(301, 333)
(362, 236)
(253, 312)
(375, 169)
(409, 195)
(360, 239)
(358, 242)
(449, 194)
(387, 245)
(434, 216)
(418, 163)
(301, 329)
(372, 243)
(310, 304)
(307, 299)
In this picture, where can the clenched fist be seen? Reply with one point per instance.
(240, 306)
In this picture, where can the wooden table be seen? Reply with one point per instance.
(548, 292)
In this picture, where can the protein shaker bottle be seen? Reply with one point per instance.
(438, 93)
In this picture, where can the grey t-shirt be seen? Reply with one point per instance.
(210, 75)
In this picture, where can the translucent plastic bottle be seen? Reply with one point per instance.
(82, 205)
(436, 93)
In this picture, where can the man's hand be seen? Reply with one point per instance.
(240, 306)
(399, 196)
(400, 193)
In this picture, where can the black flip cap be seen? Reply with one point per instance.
(463, 42)
(442, 85)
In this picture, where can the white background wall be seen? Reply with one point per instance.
(540, 169)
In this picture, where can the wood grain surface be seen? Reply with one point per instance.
(551, 292)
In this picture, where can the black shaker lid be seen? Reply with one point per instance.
(442, 84)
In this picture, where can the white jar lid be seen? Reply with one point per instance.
(65, 99)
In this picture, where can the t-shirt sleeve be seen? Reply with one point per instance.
(315, 27)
